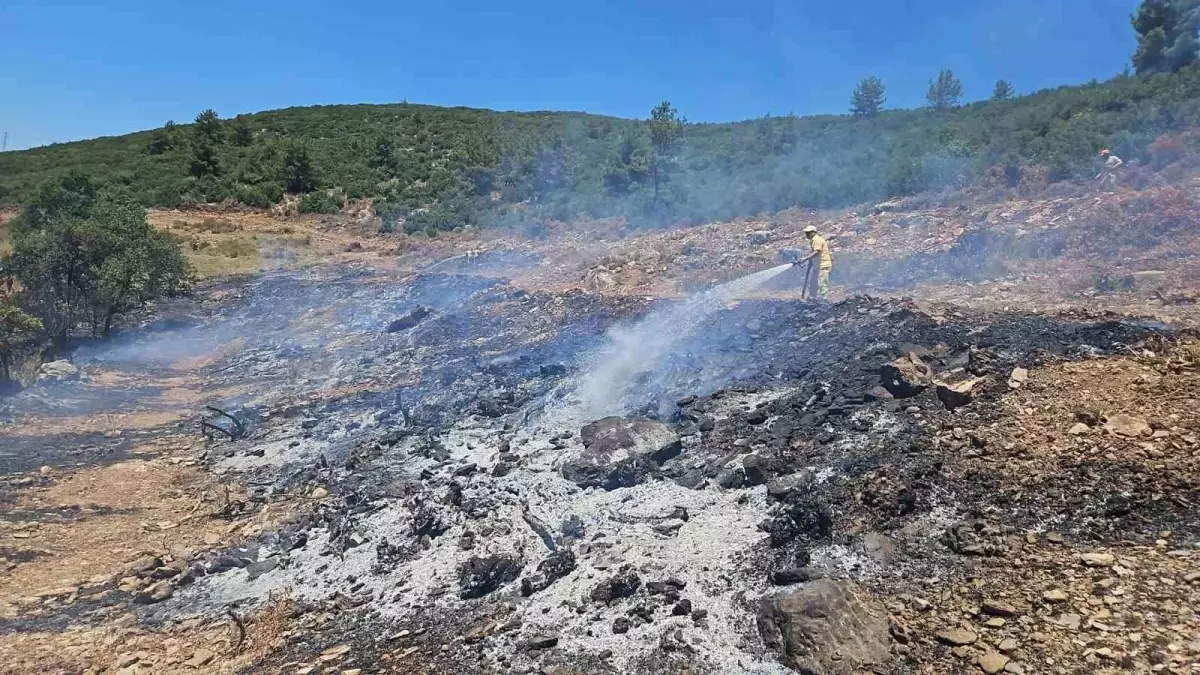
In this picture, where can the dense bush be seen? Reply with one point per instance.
(320, 202)
(82, 257)
(450, 167)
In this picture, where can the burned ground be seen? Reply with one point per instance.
(397, 494)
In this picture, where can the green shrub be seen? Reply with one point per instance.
(320, 202)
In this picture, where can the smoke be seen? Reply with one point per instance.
(630, 370)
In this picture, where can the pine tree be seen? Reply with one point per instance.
(1003, 91)
(665, 129)
(944, 92)
(1166, 32)
(868, 98)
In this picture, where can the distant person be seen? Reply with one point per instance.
(819, 247)
(1108, 171)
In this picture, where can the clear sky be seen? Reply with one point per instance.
(86, 69)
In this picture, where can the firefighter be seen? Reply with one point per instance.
(1111, 164)
(820, 250)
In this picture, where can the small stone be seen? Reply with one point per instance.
(1068, 620)
(1014, 668)
(1007, 645)
(1127, 425)
(997, 608)
(158, 592)
(1098, 559)
(993, 662)
(1018, 377)
(318, 493)
(621, 625)
(957, 636)
(1079, 429)
(995, 622)
(682, 608)
(1054, 537)
(45, 470)
(962, 652)
(1055, 596)
(200, 659)
(540, 642)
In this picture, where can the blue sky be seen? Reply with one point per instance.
(86, 69)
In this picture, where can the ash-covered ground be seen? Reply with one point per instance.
(496, 480)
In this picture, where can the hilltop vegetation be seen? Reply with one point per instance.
(441, 168)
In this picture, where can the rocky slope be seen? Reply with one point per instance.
(416, 472)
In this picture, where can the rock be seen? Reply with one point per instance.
(995, 622)
(556, 566)
(621, 625)
(620, 452)
(1127, 425)
(1018, 378)
(756, 417)
(794, 575)
(539, 641)
(731, 479)
(1055, 596)
(905, 377)
(958, 394)
(1097, 559)
(993, 662)
(826, 626)
(669, 528)
(142, 566)
(878, 393)
(199, 659)
(158, 592)
(783, 489)
(1069, 620)
(682, 608)
(879, 548)
(1078, 429)
(57, 371)
(757, 469)
(1007, 645)
(957, 637)
(622, 585)
(599, 279)
(409, 320)
(479, 576)
(997, 608)
(1014, 668)
(257, 569)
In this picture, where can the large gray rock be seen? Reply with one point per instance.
(825, 627)
(620, 452)
(57, 371)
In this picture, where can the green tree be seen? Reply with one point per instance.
(16, 329)
(207, 136)
(868, 97)
(665, 128)
(86, 257)
(300, 176)
(242, 132)
(944, 92)
(1003, 91)
(166, 139)
(1166, 34)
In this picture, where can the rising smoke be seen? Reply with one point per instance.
(629, 368)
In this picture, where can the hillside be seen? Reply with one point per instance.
(442, 168)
